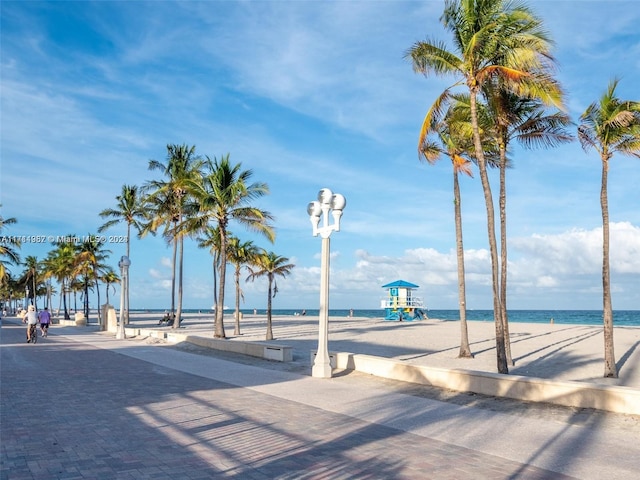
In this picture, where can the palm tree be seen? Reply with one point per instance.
(240, 254)
(59, 265)
(270, 265)
(89, 264)
(210, 238)
(109, 277)
(8, 247)
(525, 120)
(452, 138)
(129, 209)
(224, 194)
(167, 199)
(30, 278)
(609, 126)
(11, 291)
(493, 39)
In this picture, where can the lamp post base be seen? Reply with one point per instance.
(321, 370)
(120, 335)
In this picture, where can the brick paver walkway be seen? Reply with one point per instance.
(71, 411)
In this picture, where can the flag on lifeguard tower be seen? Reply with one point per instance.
(400, 304)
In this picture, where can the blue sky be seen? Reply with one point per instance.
(308, 95)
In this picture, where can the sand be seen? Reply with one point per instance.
(551, 351)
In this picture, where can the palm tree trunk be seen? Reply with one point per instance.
(126, 292)
(35, 297)
(99, 309)
(610, 368)
(219, 325)
(465, 348)
(180, 276)
(269, 322)
(501, 358)
(237, 325)
(215, 282)
(503, 252)
(86, 298)
(65, 302)
(173, 282)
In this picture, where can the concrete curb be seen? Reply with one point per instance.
(566, 393)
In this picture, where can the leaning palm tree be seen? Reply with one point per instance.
(451, 137)
(240, 254)
(270, 265)
(493, 38)
(609, 126)
(130, 210)
(8, 247)
(167, 199)
(224, 194)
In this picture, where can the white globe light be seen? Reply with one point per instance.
(339, 202)
(325, 196)
(314, 209)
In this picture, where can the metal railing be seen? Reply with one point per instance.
(395, 302)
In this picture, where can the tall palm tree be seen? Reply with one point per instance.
(270, 265)
(89, 263)
(210, 238)
(129, 209)
(8, 247)
(31, 279)
(59, 264)
(240, 254)
(11, 291)
(609, 126)
(525, 120)
(167, 198)
(492, 38)
(451, 136)
(224, 194)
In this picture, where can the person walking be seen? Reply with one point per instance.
(45, 320)
(31, 319)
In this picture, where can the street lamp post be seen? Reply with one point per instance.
(327, 202)
(124, 288)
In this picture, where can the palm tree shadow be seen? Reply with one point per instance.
(625, 358)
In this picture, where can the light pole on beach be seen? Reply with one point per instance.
(124, 264)
(327, 202)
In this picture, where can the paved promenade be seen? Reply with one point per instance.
(81, 405)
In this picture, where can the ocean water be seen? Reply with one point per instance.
(571, 317)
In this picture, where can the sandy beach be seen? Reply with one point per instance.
(550, 351)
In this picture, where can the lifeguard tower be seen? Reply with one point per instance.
(400, 304)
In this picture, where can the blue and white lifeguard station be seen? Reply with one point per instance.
(400, 304)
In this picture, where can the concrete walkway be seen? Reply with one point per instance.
(105, 408)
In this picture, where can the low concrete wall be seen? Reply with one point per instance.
(270, 351)
(568, 393)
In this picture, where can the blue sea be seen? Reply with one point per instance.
(570, 317)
